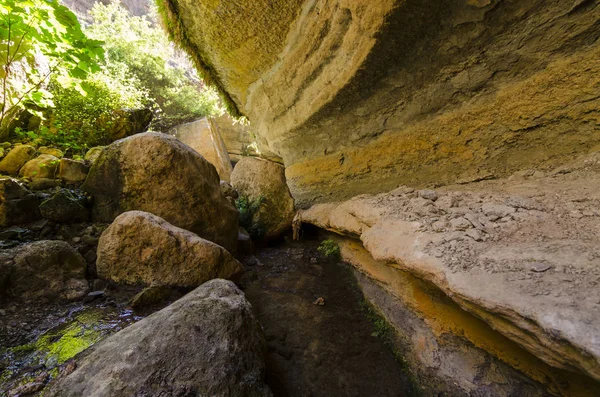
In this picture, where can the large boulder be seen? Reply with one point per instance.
(72, 172)
(17, 204)
(203, 136)
(360, 96)
(141, 248)
(208, 343)
(65, 206)
(263, 184)
(16, 158)
(44, 166)
(156, 173)
(43, 269)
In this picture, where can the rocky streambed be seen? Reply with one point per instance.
(39, 342)
(99, 301)
(321, 336)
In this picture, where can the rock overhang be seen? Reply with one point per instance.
(359, 96)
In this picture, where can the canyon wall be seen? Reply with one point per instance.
(359, 96)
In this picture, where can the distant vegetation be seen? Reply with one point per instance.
(140, 56)
(75, 80)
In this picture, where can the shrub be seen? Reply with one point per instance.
(329, 248)
(247, 209)
(88, 118)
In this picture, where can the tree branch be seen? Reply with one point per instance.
(6, 71)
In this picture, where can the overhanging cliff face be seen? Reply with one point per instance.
(359, 96)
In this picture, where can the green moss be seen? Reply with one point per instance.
(169, 12)
(66, 343)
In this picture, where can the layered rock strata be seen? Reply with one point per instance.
(513, 257)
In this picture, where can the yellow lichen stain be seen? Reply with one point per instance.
(239, 40)
(443, 315)
(524, 124)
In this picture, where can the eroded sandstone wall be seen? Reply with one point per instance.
(362, 95)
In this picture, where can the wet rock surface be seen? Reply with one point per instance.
(39, 341)
(65, 206)
(317, 347)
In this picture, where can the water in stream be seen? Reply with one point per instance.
(329, 350)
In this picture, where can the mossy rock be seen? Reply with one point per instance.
(43, 166)
(65, 207)
(16, 158)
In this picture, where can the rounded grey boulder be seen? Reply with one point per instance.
(208, 343)
(155, 172)
(142, 248)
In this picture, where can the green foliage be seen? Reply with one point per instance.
(247, 209)
(329, 248)
(40, 39)
(139, 69)
(67, 142)
(169, 14)
(136, 47)
(80, 122)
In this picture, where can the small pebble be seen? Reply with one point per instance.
(428, 194)
(540, 267)
(92, 296)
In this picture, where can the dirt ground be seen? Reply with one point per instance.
(318, 350)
